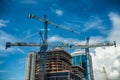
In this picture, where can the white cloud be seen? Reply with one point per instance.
(42, 29)
(72, 26)
(106, 57)
(116, 63)
(59, 12)
(109, 56)
(97, 39)
(115, 32)
(3, 23)
(114, 75)
(57, 38)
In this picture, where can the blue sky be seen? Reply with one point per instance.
(99, 19)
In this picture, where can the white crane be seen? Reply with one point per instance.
(105, 73)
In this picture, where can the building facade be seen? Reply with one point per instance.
(58, 66)
(79, 58)
(30, 67)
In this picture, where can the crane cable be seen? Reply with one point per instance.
(29, 36)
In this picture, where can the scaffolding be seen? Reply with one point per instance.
(62, 76)
(78, 70)
(58, 61)
(59, 66)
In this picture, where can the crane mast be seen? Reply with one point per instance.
(87, 56)
(105, 73)
(42, 52)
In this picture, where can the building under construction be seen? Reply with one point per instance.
(58, 66)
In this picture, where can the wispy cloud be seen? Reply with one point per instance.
(97, 39)
(22, 61)
(59, 12)
(3, 71)
(12, 78)
(5, 37)
(72, 26)
(1, 62)
(28, 34)
(42, 29)
(57, 38)
(3, 23)
(93, 40)
(94, 23)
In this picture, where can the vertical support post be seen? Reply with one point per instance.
(46, 30)
(45, 45)
(43, 53)
(87, 56)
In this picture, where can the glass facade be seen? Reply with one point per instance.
(79, 58)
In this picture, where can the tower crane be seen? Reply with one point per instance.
(86, 47)
(105, 73)
(66, 45)
(44, 45)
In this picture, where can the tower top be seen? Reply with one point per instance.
(78, 52)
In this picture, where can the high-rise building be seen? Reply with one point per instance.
(58, 66)
(33, 69)
(30, 69)
(79, 58)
